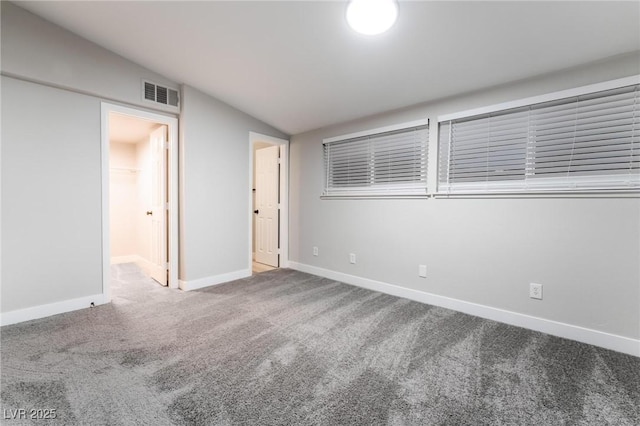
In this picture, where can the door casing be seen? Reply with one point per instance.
(172, 170)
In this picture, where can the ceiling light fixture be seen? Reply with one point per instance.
(371, 17)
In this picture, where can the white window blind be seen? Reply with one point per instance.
(389, 163)
(586, 142)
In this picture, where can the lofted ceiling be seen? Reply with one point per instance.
(297, 66)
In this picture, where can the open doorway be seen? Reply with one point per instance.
(139, 184)
(137, 190)
(269, 203)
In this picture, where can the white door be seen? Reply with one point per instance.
(267, 185)
(158, 211)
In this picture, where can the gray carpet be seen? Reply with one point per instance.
(285, 347)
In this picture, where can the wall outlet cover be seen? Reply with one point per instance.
(315, 251)
(352, 258)
(422, 271)
(535, 291)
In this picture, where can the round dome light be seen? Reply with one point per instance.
(371, 17)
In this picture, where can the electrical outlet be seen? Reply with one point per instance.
(422, 271)
(352, 258)
(535, 291)
(315, 251)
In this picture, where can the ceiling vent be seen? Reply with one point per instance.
(159, 94)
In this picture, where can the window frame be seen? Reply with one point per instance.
(545, 186)
(373, 190)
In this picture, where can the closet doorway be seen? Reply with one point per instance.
(139, 193)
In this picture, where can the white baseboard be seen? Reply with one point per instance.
(214, 280)
(568, 331)
(41, 311)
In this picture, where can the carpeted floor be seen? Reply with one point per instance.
(285, 347)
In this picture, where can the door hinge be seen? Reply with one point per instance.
(166, 206)
(166, 145)
(166, 266)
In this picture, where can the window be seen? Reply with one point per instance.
(386, 162)
(589, 142)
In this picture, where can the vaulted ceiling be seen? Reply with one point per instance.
(298, 66)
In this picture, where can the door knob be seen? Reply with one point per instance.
(256, 211)
(149, 213)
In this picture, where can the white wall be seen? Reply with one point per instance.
(37, 50)
(51, 164)
(143, 201)
(215, 187)
(123, 199)
(130, 199)
(586, 252)
(51, 202)
(51, 168)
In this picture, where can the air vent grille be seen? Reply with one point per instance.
(160, 94)
(149, 91)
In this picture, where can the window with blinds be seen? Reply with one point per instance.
(379, 164)
(586, 142)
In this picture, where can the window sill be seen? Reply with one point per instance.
(376, 197)
(542, 194)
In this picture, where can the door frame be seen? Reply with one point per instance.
(283, 223)
(172, 171)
